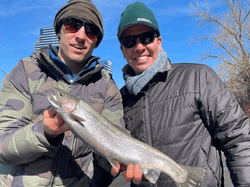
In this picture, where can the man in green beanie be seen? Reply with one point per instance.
(182, 109)
(37, 148)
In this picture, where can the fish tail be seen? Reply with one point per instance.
(194, 178)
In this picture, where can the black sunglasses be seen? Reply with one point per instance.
(146, 38)
(72, 25)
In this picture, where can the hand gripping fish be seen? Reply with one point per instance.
(117, 145)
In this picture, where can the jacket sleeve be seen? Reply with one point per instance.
(113, 107)
(227, 124)
(20, 140)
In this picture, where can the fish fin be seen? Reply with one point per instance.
(194, 178)
(151, 175)
(79, 119)
(113, 162)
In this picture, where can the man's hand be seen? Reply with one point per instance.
(132, 173)
(53, 124)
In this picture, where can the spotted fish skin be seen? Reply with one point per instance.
(117, 145)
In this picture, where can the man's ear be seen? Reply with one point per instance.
(159, 40)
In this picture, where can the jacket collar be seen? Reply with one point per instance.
(135, 83)
(49, 59)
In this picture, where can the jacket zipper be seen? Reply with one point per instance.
(73, 148)
(58, 156)
(147, 121)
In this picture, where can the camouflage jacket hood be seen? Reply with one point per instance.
(27, 157)
(43, 57)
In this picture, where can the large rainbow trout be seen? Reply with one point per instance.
(117, 145)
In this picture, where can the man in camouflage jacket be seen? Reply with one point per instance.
(36, 147)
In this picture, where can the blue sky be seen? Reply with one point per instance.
(21, 21)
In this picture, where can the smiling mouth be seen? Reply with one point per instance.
(141, 58)
(78, 47)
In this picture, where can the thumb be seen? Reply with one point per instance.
(115, 171)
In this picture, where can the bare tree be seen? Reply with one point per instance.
(227, 30)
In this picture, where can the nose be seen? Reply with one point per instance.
(81, 35)
(139, 46)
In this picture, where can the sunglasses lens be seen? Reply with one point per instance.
(147, 37)
(72, 25)
(130, 41)
(92, 31)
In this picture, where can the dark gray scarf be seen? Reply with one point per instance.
(137, 82)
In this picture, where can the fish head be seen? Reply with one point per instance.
(62, 100)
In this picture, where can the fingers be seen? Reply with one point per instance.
(53, 123)
(49, 113)
(53, 117)
(133, 173)
(129, 173)
(114, 171)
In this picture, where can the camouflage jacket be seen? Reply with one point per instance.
(27, 157)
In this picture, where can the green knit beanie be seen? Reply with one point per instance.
(136, 14)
